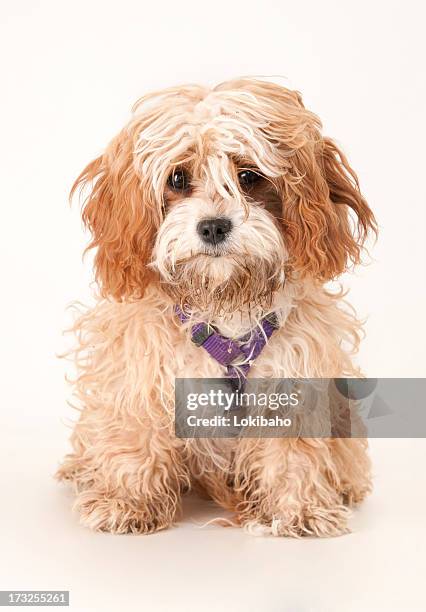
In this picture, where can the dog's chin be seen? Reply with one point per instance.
(224, 284)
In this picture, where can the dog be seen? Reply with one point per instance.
(227, 205)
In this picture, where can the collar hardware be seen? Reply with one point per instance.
(199, 336)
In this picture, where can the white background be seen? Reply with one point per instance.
(70, 73)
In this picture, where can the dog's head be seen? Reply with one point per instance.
(221, 194)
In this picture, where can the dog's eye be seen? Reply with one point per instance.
(248, 178)
(178, 180)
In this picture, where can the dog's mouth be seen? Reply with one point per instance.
(223, 249)
(207, 253)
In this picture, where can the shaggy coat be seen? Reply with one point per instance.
(247, 151)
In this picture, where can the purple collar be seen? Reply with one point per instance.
(225, 350)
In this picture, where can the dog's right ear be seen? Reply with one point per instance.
(120, 218)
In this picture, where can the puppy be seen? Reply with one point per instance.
(227, 205)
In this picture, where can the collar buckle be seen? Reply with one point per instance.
(204, 332)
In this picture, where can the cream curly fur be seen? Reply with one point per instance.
(128, 468)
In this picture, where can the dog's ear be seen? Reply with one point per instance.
(120, 219)
(326, 217)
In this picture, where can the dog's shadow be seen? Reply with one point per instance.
(201, 512)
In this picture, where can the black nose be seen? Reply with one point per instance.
(213, 231)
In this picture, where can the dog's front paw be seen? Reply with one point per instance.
(305, 521)
(115, 515)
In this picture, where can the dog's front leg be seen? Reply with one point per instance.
(290, 487)
(128, 475)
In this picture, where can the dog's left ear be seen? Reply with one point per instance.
(326, 218)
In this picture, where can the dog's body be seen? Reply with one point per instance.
(275, 239)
